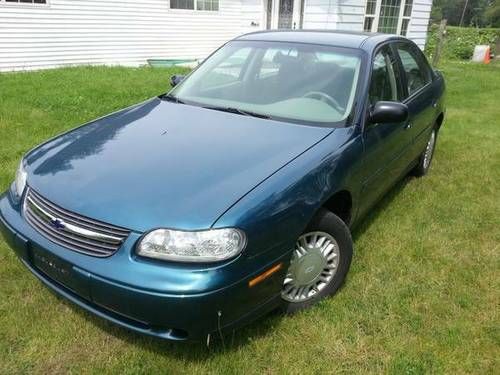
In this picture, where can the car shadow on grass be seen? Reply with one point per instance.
(380, 207)
(184, 350)
(197, 351)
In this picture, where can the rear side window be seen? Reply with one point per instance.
(384, 81)
(416, 69)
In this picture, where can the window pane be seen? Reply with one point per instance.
(271, 61)
(384, 83)
(404, 26)
(228, 71)
(301, 82)
(27, 1)
(389, 15)
(207, 5)
(368, 24)
(370, 6)
(408, 6)
(181, 4)
(417, 72)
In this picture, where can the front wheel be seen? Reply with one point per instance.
(319, 264)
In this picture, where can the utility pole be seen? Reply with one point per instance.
(463, 12)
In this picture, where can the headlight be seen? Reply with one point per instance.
(20, 182)
(202, 246)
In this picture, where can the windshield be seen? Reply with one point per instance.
(302, 82)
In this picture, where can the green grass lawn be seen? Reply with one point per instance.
(422, 294)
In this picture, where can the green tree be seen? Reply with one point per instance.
(477, 13)
(492, 14)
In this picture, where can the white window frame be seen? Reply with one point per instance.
(195, 6)
(24, 5)
(376, 16)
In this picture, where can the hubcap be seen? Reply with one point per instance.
(313, 266)
(429, 150)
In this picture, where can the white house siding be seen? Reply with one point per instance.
(252, 15)
(128, 32)
(123, 32)
(349, 15)
(420, 14)
(334, 14)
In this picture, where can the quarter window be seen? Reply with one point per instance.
(384, 80)
(417, 72)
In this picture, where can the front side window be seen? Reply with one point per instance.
(289, 81)
(417, 72)
(384, 80)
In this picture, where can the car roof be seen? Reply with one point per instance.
(337, 38)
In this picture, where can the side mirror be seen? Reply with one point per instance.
(176, 79)
(388, 112)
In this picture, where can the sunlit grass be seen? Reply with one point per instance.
(422, 295)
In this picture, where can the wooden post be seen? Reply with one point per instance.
(439, 45)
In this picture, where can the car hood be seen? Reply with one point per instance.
(162, 164)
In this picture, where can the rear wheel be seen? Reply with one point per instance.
(425, 159)
(319, 264)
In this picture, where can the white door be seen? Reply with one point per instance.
(283, 14)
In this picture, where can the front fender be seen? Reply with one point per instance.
(277, 211)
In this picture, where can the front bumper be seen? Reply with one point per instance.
(170, 301)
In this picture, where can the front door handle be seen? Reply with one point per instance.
(408, 126)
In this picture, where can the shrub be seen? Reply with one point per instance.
(459, 42)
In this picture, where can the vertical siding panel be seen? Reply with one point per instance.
(420, 14)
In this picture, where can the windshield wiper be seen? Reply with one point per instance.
(238, 111)
(171, 98)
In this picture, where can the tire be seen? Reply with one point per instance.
(317, 260)
(425, 159)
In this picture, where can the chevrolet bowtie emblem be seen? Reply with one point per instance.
(58, 223)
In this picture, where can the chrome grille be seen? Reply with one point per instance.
(71, 230)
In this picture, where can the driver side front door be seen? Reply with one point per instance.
(385, 144)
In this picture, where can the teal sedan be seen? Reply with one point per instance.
(234, 194)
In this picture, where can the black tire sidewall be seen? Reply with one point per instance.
(326, 221)
(419, 169)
